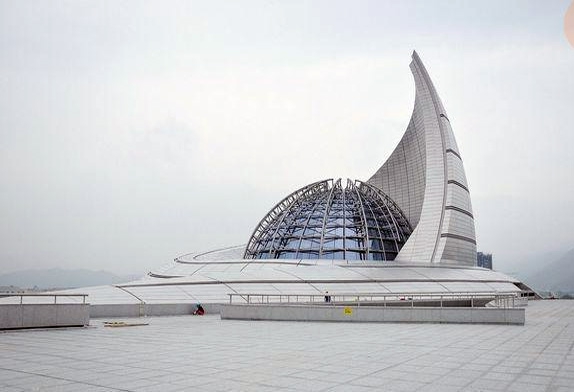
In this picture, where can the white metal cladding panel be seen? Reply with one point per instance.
(457, 252)
(486, 274)
(402, 175)
(415, 153)
(342, 273)
(187, 257)
(257, 274)
(503, 286)
(440, 251)
(189, 291)
(406, 181)
(166, 268)
(209, 293)
(270, 272)
(103, 295)
(413, 287)
(167, 293)
(458, 197)
(235, 252)
(424, 238)
(322, 273)
(249, 288)
(431, 273)
(265, 264)
(466, 287)
(203, 290)
(186, 269)
(335, 287)
(450, 141)
(283, 272)
(478, 273)
(296, 288)
(443, 273)
(455, 169)
(219, 292)
(197, 277)
(456, 222)
(220, 267)
(184, 293)
(385, 179)
(260, 275)
(389, 273)
(178, 269)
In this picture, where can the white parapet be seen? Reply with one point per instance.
(342, 313)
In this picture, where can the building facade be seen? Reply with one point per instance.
(409, 228)
(484, 260)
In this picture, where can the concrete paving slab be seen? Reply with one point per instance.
(205, 353)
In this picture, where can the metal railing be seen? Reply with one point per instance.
(442, 299)
(5, 298)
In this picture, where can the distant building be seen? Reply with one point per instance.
(484, 260)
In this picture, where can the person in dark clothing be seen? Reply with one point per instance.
(327, 297)
(199, 311)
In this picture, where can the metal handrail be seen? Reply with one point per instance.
(499, 299)
(22, 295)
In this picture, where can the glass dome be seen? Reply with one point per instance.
(325, 220)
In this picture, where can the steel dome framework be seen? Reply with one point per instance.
(326, 220)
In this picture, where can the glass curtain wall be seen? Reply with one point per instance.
(330, 221)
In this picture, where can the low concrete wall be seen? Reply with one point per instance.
(43, 315)
(117, 310)
(374, 314)
(142, 310)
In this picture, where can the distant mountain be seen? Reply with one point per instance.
(62, 278)
(555, 276)
(524, 267)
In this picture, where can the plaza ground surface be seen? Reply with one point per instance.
(208, 354)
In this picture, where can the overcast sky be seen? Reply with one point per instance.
(134, 132)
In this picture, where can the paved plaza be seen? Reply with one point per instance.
(208, 354)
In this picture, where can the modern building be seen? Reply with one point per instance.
(484, 260)
(408, 228)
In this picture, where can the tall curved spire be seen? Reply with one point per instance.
(425, 177)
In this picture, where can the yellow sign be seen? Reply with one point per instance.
(348, 311)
